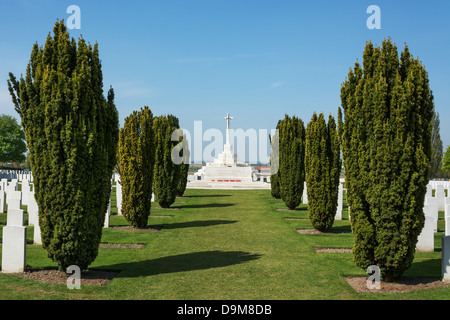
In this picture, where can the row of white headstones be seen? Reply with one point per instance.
(14, 233)
(432, 206)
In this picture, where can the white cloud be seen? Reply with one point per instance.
(277, 84)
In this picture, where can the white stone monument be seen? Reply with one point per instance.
(14, 243)
(226, 171)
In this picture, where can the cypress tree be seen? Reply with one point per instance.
(436, 149)
(71, 132)
(322, 167)
(184, 153)
(136, 166)
(386, 137)
(291, 160)
(166, 172)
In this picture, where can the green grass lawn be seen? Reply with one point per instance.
(223, 244)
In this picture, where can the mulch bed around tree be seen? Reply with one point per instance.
(88, 277)
(359, 284)
(314, 231)
(340, 250)
(122, 245)
(131, 228)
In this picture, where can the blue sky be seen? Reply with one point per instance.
(257, 59)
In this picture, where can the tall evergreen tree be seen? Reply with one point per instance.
(12, 140)
(446, 161)
(291, 160)
(136, 159)
(322, 167)
(436, 149)
(386, 136)
(183, 152)
(71, 132)
(166, 172)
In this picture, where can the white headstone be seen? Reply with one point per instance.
(12, 186)
(447, 225)
(14, 217)
(33, 211)
(447, 210)
(13, 249)
(108, 213)
(340, 202)
(119, 198)
(425, 241)
(440, 195)
(37, 233)
(431, 201)
(14, 203)
(2, 201)
(26, 192)
(14, 242)
(305, 194)
(432, 211)
(429, 191)
(153, 197)
(446, 258)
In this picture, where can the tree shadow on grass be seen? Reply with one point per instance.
(180, 263)
(207, 196)
(200, 223)
(206, 205)
(425, 268)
